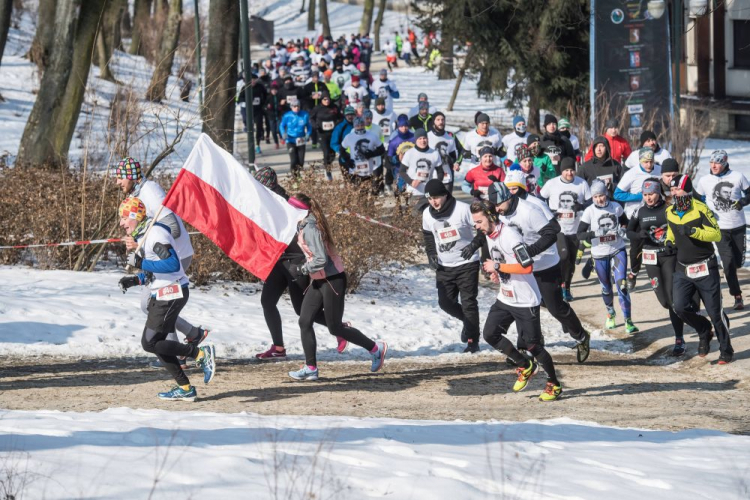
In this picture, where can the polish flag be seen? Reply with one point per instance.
(219, 197)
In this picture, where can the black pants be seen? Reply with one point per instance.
(277, 282)
(636, 249)
(732, 253)
(329, 295)
(258, 121)
(567, 248)
(464, 281)
(549, 282)
(314, 137)
(328, 154)
(296, 156)
(661, 276)
(709, 289)
(273, 125)
(529, 327)
(162, 316)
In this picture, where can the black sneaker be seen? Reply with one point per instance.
(631, 281)
(509, 362)
(587, 268)
(726, 358)
(464, 336)
(679, 348)
(583, 347)
(704, 346)
(472, 347)
(739, 304)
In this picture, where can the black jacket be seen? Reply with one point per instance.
(606, 169)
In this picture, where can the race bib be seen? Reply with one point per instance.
(386, 131)
(362, 168)
(566, 217)
(649, 257)
(328, 126)
(697, 270)
(506, 290)
(484, 190)
(169, 292)
(448, 235)
(423, 175)
(607, 179)
(607, 238)
(446, 177)
(316, 95)
(256, 101)
(300, 141)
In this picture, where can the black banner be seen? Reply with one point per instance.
(631, 63)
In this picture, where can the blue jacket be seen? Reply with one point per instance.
(395, 142)
(295, 125)
(341, 131)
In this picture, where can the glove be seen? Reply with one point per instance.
(468, 251)
(135, 260)
(736, 206)
(493, 178)
(433, 262)
(579, 256)
(476, 193)
(577, 207)
(129, 281)
(387, 88)
(686, 230)
(644, 234)
(622, 232)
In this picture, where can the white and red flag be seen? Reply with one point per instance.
(220, 198)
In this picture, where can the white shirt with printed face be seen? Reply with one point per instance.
(445, 145)
(608, 218)
(386, 121)
(452, 234)
(474, 142)
(563, 196)
(378, 87)
(721, 192)
(632, 182)
(421, 167)
(358, 144)
(510, 141)
(516, 290)
(527, 219)
(152, 196)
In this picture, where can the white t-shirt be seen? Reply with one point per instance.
(451, 234)
(633, 160)
(607, 217)
(378, 88)
(444, 144)
(720, 193)
(562, 198)
(575, 142)
(632, 182)
(421, 167)
(527, 219)
(355, 94)
(473, 142)
(386, 122)
(158, 234)
(510, 141)
(152, 195)
(516, 290)
(357, 144)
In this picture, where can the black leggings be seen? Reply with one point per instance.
(636, 250)
(296, 156)
(328, 154)
(277, 282)
(661, 276)
(549, 281)
(567, 247)
(732, 252)
(329, 295)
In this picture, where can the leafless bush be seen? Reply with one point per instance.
(125, 118)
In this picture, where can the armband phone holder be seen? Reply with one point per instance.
(522, 255)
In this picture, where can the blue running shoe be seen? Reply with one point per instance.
(208, 362)
(179, 394)
(305, 373)
(567, 296)
(378, 359)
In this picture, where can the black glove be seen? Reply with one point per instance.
(493, 178)
(577, 207)
(433, 262)
(128, 282)
(468, 251)
(644, 234)
(135, 260)
(685, 230)
(669, 248)
(476, 193)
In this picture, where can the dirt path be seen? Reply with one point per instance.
(643, 389)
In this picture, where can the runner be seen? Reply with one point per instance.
(324, 118)
(478, 179)
(327, 290)
(482, 136)
(341, 130)
(423, 119)
(295, 128)
(618, 147)
(418, 166)
(648, 140)
(447, 230)
(727, 193)
(601, 166)
(161, 269)
(600, 225)
(360, 151)
(384, 88)
(518, 300)
(525, 163)
(692, 230)
(445, 143)
(541, 160)
(518, 136)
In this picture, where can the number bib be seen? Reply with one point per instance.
(328, 126)
(300, 141)
(256, 101)
(506, 290)
(607, 238)
(362, 168)
(386, 131)
(446, 176)
(649, 257)
(316, 95)
(169, 292)
(448, 235)
(699, 270)
(566, 217)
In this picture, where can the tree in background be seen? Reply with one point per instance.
(141, 16)
(324, 17)
(379, 23)
(6, 9)
(109, 36)
(157, 89)
(41, 46)
(221, 71)
(311, 16)
(369, 8)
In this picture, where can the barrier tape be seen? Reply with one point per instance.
(374, 221)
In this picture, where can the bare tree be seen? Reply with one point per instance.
(221, 71)
(6, 9)
(157, 89)
(108, 38)
(366, 23)
(445, 70)
(141, 15)
(302, 9)
(311, 16)
(324, 17)
(41, 47)
(379, 23)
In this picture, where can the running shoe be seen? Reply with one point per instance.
(587, 268)
(610, 322)
(509, 362)
(257, 150)
(679, 348)
(704, 345)
(271, 354)
(566, 295)
(630, 327)
(208, 362)
(583, 347)
(472, 346)
(726, 358)
(551, 392)
(464, 336)
(277, 146)
(739, 304)
(177, 393)
(524, 375)
(341, 345)
(305, 373)
(202, 334)
(378, 359)
(329, 176)
(631, 281)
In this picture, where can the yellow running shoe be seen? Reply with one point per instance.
(524, 375)
(551, 392)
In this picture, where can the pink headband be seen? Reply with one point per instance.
(298, 203)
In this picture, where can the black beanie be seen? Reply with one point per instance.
(420, 132)
(646, 135)
(482, 117)
(567, 163)
(435, 187)
(549, 119)
(682, 182)
(531, 139)
(669, 165)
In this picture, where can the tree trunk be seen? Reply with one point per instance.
(108, 37)
(157, 90)
(126, 24)
(534, 122)
(302, 9)
(52, 121)
(6, 9)
(141, 17)
(366, 23)
(41, 47)
(445, 68)
(324, 17)
(461, 74)
(221, 71)
(311, 16)
(379, 23)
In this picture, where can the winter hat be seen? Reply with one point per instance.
(517, 120)
(380, 100)
(383, 72)
(498, 193)
(515, 178)
(563, 123)
(682, 182)
(651, 185)
(355, 78)
(420, 133)
(523, 153)
(314, 74)
(358, 121)
(367, 114)
(422, 96)
(669, 165)
(128, 168)
(267, 177)
(549, 119)
(424, 105)
(646, 135)
(486, 150)
(611, 123)
(349, 111)
(645, 154)
(435, 188)
(721, 157)
(402, 120)
(132, 208)
(598, 187)
(531, 139)
(328, 73)
(567, 163)
(481, 118)
(438, 113)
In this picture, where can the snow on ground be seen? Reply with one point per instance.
(85, 314)
(124, 453)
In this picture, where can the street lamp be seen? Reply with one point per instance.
(656, 8)
(698, 7)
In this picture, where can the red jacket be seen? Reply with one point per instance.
(479, 179)
(619, 149)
